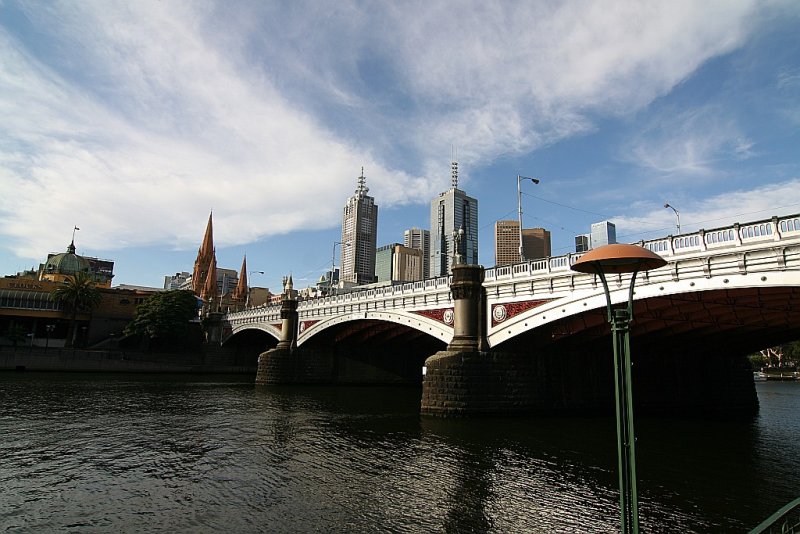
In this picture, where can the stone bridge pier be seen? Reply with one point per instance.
(467, 378)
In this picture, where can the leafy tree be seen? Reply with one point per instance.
(164, 316)
(77, 293)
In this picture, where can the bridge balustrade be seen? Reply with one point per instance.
(560, 263)
(686, 243)
(752, 232)
(659, 246)
(790, 225)
(719, 238)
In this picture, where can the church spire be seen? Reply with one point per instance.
(208, 239)
(210, 290)
(240, 292)
(205, 255)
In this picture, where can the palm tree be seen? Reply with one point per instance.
(77, 293)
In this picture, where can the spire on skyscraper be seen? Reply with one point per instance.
(454, 167)
(362, 185)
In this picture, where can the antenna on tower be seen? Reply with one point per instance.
(362, 184)
(454, 167)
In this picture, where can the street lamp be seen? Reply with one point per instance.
(333, 260)
(519, 209)
(458, 239)
(678, 215)
(617, 259)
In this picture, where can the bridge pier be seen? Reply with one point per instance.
(467, 379)
(278, 365)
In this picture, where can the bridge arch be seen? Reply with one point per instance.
(676, 292)
(309, 328)
(267, 328)
(749, 308)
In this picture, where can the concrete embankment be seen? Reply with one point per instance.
(109, 361)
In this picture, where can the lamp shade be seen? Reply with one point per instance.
(618, 258)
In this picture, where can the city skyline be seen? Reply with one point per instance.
(616, 111)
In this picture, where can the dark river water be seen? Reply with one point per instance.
(128, 453)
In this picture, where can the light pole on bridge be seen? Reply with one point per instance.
(519, 210)
(677, 215)
(617, 259)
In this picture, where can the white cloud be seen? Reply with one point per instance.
(687, 144)
(146, 115)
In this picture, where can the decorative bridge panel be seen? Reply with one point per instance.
(443, 315)
(501, 312)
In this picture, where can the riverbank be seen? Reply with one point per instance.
(114, 361)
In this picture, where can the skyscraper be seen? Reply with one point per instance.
(398, 263)
(451, 211)
(506, 242)
(359, 232)
(421, 240)
(535, 243)
(603, 233)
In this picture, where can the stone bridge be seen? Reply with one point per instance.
(541, 338)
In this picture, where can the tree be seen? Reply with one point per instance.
(77, 293)
(165, 316)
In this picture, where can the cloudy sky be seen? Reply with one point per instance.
(134, 120)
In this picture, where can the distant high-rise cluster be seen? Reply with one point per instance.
(423, 254)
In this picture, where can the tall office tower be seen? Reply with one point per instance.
(506, 242)
(582, 243)
(536, 243)
(421, 240)
(603, 233)
(359, 231)
(451, 211)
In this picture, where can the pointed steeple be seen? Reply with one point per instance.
(205, 255)
(210, 290)
(240, 292)
(208, 238)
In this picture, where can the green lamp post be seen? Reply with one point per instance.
(618, 259)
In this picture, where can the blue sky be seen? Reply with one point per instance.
(132, 120)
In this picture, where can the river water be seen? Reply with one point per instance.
(130, 453)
